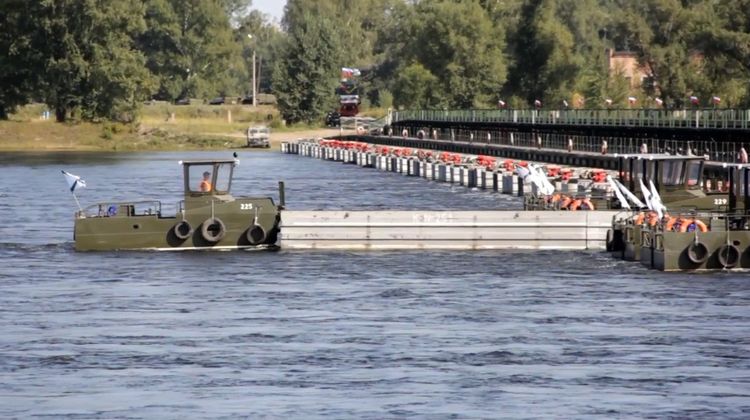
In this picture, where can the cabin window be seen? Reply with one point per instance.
(694, 174)
(196, 176)
(223, 177)
(672, 173)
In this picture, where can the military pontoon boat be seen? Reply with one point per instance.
(679, 182)
(208, 217)
(695, 240)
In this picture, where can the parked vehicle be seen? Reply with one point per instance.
(333, 119)
(217, 101)
(349, 105)
(263, 99)
(258, 137)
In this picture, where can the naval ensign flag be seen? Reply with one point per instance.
(74, 181)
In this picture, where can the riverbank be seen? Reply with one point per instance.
(162, 127)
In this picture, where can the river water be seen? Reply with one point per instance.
(491, 334)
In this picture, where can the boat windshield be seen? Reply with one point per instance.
(672, 172)
(223, 177)
(209, 178)
(694, 171)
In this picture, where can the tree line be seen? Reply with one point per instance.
(100, 59)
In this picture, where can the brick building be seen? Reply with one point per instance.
(626, 63)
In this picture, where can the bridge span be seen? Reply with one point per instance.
(539, 134)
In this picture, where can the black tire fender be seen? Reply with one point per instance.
(729, 256)
(182, 230)
(697, 252)
(256, 234)
(213, 229)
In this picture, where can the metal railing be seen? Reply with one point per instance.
(663, 118)
(111, 209)
(368, 124)
(715, 151)
(351, 123)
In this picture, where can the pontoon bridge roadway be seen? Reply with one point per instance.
(548, 135)
(428, 229)
(569, 138)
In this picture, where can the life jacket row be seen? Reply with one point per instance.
(670, 223)
(566, 202)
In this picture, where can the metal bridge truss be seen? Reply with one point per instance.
(720, 137)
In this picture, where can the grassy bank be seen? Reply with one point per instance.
(161, 127)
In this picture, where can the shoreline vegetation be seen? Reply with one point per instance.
(162, 127)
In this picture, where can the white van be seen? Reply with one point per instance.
(258, 137)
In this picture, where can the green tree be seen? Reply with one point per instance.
(355, 23)
(459, 45)
(385, 98)
(358, 26)
(77, 56)
(416, 88)
(191, 48)
(267, 43)
(306, 75)
(20, 64)
(722, 33)
(659, 31)
(547, 63)
(90, 63)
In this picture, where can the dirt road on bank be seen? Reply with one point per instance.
(308, 134)
(291, 136)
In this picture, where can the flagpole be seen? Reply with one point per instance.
(77, 202)
(73, 182)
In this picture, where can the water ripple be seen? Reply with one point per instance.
(485, 334)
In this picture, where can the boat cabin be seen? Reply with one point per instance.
(208, 177)
(669, 173)
(679, 180)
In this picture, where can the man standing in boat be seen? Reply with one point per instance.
(206, 182)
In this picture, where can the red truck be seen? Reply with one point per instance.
(349, 105)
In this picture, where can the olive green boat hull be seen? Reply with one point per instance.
(677, 251)
(632, 236)
(127, 230)
(624, 240)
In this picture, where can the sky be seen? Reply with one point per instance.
(275, 8)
